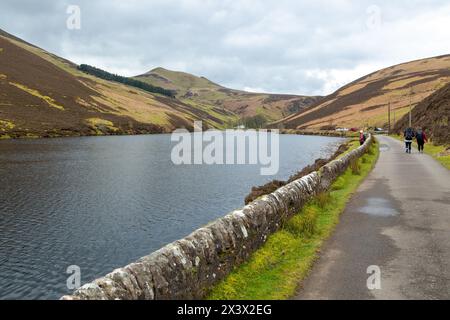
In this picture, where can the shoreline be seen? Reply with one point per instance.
(322, 133)
(271, 186)
(30, 136)
(7, 136)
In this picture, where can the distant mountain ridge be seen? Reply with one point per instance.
(194, 89)
(43, 95)
(179, 80)
(105, 75)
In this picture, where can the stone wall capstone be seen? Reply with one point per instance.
(188, 268)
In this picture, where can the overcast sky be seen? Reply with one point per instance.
(303, 47)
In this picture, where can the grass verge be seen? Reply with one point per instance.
(437, 152)
(276, 269)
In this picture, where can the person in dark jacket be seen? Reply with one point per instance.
(421, 139)
(409, 135)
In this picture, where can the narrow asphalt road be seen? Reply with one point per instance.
(399, 221)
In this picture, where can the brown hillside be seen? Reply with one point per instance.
(364, 102)
(199, 90)
(44, 95)
(37, 97)
(432, 114)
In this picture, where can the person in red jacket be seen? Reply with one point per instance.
(362, 137)
(421, 138)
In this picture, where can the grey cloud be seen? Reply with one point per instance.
(276, 46)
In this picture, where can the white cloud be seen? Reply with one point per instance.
(254, 90)
(334, 79)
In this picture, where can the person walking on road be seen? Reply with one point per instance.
(409, 136)
(421, 139)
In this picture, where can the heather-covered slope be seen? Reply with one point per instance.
(432, 114)
(44, 95)
(195, 90)
(364, 102)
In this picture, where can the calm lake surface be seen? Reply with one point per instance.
(103, 202)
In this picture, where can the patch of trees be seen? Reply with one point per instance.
(125, 80)
(329, 127)
(255, 122)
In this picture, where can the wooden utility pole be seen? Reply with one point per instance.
(394, 116)
(389, 117)
(410, 107)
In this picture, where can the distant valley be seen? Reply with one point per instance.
(43, 95)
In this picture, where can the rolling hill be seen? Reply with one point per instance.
(198, 90)
(364, 102)
(43, 95)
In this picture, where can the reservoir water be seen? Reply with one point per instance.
(103, 202)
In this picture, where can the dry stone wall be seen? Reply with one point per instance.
(188, 268)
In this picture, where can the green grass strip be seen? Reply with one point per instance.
(275, 271)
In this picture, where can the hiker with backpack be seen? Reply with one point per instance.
(421, 139)
(409, 135)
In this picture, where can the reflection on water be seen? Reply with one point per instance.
(102, 202)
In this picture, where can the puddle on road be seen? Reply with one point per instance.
(384, 147)
(379, 207)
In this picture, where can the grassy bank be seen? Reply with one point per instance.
(437, 152)
(275, 271)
